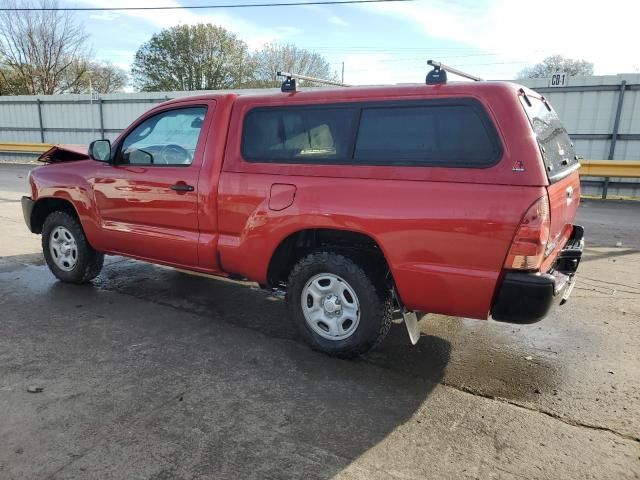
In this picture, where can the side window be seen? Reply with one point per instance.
(446, 135)
(169, 138)
(297, 135)
(453, 133)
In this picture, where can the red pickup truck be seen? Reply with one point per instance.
(456, 199)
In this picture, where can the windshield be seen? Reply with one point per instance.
(557, 149)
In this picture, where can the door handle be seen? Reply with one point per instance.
(182, 187)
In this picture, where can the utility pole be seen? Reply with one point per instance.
(91, 103)
(342, 73)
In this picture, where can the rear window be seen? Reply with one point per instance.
(557, 149)
(417, 133)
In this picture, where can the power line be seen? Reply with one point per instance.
(198, 7)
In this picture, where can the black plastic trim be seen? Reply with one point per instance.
(27, 209)
(569, 257)
(523, 298)
(527, 297)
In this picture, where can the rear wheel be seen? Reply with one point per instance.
(67, 251)
(340, 308)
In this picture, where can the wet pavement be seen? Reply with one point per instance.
(153, 373)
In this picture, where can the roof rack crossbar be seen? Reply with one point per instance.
(290, 85)
(446, 68)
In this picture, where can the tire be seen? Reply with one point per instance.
(66, 249)
(328, 323)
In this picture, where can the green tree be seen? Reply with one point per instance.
(192, 57)
(557, 63)
(288, 58)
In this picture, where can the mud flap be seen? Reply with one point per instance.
(567, 293)
(411, 321)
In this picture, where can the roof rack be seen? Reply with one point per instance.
(439, 73)
(289, 84)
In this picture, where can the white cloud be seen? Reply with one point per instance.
(119, 57)
(589, 29)
(254, 35)
(104, 16)
(368, 69)
(338, 21)
(316, 10)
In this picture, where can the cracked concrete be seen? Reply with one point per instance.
(151, 373)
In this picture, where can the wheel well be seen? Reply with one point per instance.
(355, 245)
(44, 207)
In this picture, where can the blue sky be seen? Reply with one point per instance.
(390, 43)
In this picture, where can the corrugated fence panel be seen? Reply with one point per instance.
(19, 136)
(627, 150)
(587, 107)
(630, 118)
(119, 115)
(81, 138)
(18, 114)
(595, 149)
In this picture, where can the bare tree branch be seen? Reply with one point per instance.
(274, 57)
(557, 63)
(38, 47)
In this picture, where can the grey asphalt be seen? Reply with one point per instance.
(152, 373)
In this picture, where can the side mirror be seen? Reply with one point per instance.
(100, 150)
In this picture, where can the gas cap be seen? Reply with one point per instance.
(281, 196)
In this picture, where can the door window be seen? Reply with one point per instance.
(169, 138)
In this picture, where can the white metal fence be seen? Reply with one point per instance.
(75, 119)
(601, 113)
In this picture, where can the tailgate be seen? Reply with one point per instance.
(561, 164)
(564, 198)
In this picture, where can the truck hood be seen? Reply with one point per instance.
(64, 153)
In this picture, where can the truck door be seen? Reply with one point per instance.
(147, 197)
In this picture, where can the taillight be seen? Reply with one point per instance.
(528, 248)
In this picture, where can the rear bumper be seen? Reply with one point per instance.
(27, 208)
(528, 297)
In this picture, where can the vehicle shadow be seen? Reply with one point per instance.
(197, 395)
(487, 357)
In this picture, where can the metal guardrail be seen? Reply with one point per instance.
(24, 147)
(589, 168)
(610, 168)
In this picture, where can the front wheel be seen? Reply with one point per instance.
(67, 251)
(339, 308)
